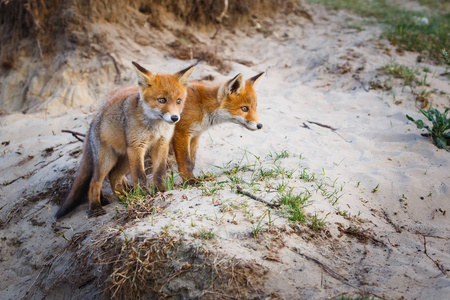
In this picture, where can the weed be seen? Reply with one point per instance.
(133, 195)
(170, 180)
(423, 97)
(445, 56)
(281, 187)
(207, 234)
(212, 189)
(295, 204)
(307, 176)
(276, 156)
(375, 189)
(316, 223)
(401, 71)
(258, 226)
(441, 124)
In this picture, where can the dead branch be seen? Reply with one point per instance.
(117, 79)
(75, 134)
(322, 125)
(327, 269)
(433, 260)
(241, 191)
(329, 127)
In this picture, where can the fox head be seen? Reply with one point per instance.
(238, 101)
(163, 95)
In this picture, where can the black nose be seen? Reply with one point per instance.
(175, 118)
(259, 126)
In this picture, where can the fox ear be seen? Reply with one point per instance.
(183, 75)
(144, 76)
(254, 80)
(235, 85)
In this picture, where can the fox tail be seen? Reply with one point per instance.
(80, 187)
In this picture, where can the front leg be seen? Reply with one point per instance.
(160, 152)
(136, 161)
(181, 146)
(193, 151)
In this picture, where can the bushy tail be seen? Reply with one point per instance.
(80, 187)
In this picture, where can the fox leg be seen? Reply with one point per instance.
(104, 163)
(117, 179)
(136, 162)
(160, 152)
(193, 151)
(181, 146)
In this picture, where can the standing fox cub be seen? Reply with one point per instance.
(207, 105)
(134, 119)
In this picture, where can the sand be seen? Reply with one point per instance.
(391, 183)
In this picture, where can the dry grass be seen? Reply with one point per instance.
(167, 266)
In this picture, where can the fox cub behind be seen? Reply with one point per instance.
(209, 104)
(133, 120)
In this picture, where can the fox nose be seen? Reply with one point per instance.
(259, 126)
(175, 118)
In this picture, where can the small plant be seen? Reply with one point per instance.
(206, 234)
(441, 124)
(375, 189)
(401, 71)
(135, 194)
(170, 181)
(316, 223)
(445, 56)
(258, 226)
(295, 204)
(423, 97)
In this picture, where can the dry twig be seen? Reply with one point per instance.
(241, 191)
(75, 134)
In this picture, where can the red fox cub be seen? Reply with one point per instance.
(133, 120)
(206, 105)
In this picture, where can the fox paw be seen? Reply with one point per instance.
(104, 200)
(96, 212)
(193, 181)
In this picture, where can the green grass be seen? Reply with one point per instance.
(295, 204)
(136, 194)
(401, 71)
(316, 223)
(406, 29)
(207, 234)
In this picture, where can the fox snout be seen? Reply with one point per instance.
(170, 118)
(253, 126)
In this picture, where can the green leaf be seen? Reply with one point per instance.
(441, 143)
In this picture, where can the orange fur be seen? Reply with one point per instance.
(133, 120)
(210, 104)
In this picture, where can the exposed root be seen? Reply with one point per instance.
(167, 266)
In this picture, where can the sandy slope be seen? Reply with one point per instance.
(310, 80)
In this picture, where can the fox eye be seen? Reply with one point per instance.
(244, 108)
(178, 101)
(162, 100)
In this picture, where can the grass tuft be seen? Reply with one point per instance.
(408, 30)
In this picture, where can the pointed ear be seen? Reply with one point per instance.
(254, 80)
(144, 76)
(183, 75)
(235, 85)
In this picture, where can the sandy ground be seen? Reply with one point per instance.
(390, 184)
